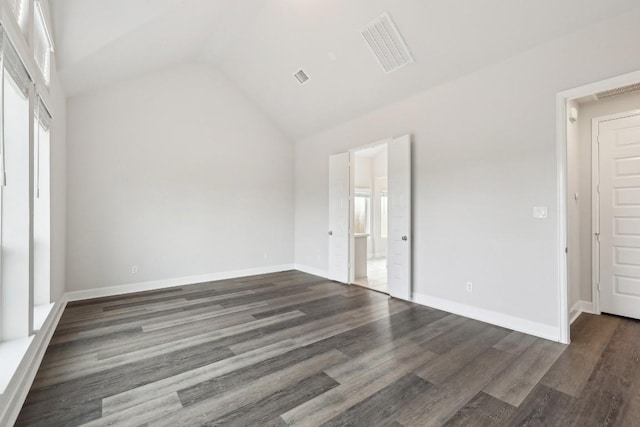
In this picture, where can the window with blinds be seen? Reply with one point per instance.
(42, 42)
(15, 240)
(20, 9)
(13, 66)
(24, 187)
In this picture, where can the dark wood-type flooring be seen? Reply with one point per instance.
(294, 349)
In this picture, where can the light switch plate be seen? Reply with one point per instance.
(541, 212)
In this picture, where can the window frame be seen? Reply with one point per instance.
(20, 10)
(21, 34)
(41, 34)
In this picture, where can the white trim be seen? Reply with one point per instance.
(595, 216)
(581, 307)
(561, 168)
(563, 282)
(352, 223)
(519, 324)
(19, 386)
(169, 283)
(41, 314)
(11, 353)
(312, 270)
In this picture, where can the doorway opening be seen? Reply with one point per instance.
(599, 199)
(395, 202)
(370, 217)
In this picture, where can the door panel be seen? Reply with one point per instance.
(339, 217)
(619, 163)
(399, 215)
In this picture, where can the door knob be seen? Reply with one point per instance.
(331, 233)
(405, 238)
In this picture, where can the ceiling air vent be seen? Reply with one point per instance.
(618, 91)
(386, 43)
(301, 76)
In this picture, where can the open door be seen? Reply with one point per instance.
(399, 216)
(619, 233)
(339, 211)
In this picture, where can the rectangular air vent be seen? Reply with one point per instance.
(301, 76)
(386, 43)
(618, 91)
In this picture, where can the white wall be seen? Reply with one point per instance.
(484, 151)
(588, 112)
(58, 190)
(177, 173)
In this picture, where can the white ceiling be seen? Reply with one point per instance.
(259, 44)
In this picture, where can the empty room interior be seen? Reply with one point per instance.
(319, 212)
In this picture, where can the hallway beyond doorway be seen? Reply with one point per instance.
(376, 275)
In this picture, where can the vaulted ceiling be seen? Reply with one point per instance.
(259, 44)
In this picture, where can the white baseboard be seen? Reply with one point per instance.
(311, 270)
(580, 307)
(519, 324)
(170, 283)
(19, 386)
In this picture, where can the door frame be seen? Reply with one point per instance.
(352, 189)
(595, 201)
(562, 98)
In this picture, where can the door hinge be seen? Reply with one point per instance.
(566, 250)
(598, 188)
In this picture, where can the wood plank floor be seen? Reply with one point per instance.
(294, 349)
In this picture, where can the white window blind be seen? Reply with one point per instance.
(43, 118)
(11, 64)
(43, 43)
(42, 115)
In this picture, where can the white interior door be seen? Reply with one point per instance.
(619, 161)
(339, 209)
(399, 216)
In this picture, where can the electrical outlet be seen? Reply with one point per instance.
(266, 256)
(469, 287)
(134, 269)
